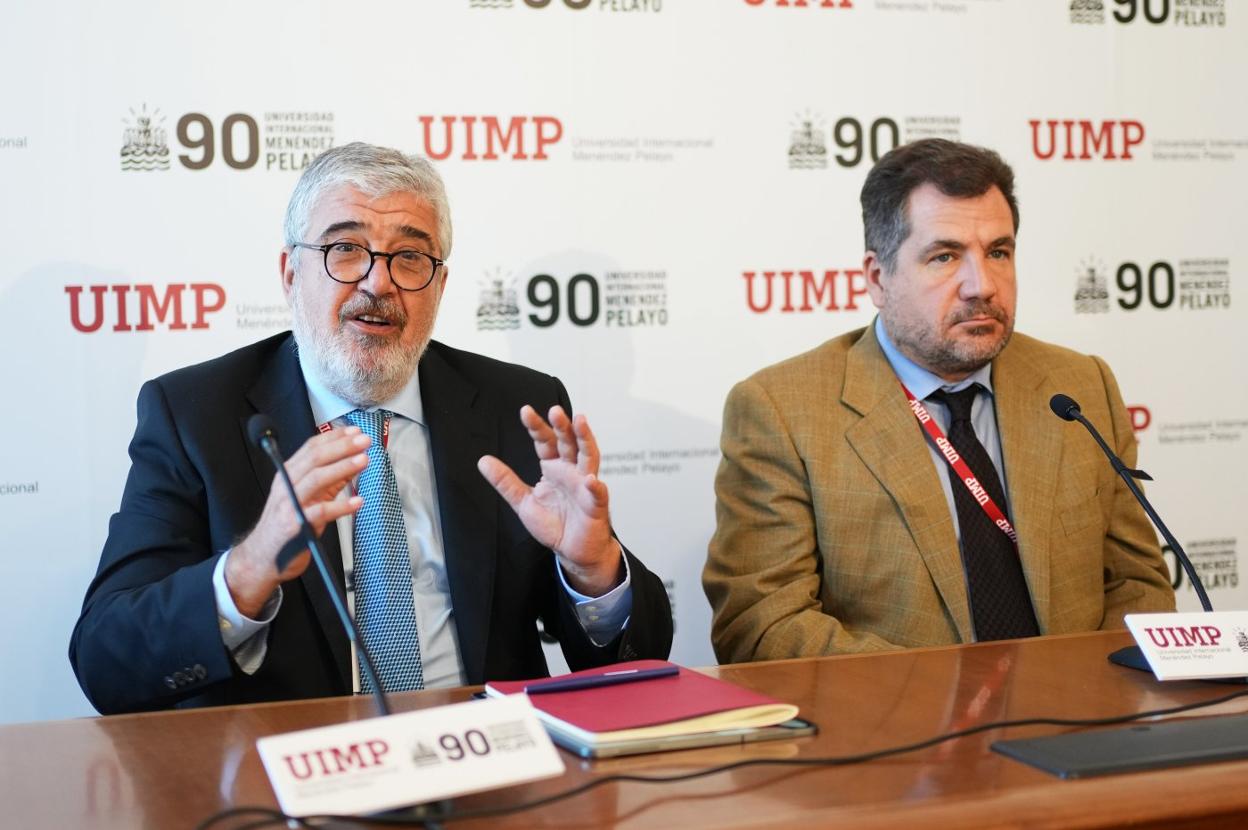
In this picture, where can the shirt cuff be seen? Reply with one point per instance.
(604, 617)
(246, 639)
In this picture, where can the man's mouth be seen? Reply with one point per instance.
(982, 316)
(373, 318)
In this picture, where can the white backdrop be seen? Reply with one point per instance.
(648, 163)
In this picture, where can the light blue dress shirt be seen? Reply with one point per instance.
(923, 383)
(602, 617)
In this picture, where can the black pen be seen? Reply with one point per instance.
(594, 681)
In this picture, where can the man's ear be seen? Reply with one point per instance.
(873, 270)
(286, 266)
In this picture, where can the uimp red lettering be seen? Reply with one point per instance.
(947, 450)
(75, 312)
(1162, 641)
(756, 307)
(977, 489)
(378, 748)
(202, 307)
(920, 411)
(303, 773)
(546, 136)
(148, 303)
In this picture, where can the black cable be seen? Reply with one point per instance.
(277, 817)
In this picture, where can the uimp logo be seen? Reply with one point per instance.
(615, 299)
(1087, 11)
(497, 308)
(289, 141)
(853, 140)
(1189, 13)
(333, 761)
(1190, 284)
(144, 141)
(1082, 140)
(1178, 636)
(490, 137)
(1091, 288)
(804, 291)
(143, 307)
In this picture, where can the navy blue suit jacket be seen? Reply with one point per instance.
(148, 636)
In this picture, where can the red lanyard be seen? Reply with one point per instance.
(960, 467)
(385, 431)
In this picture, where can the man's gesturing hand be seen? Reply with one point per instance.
(322, 467)
(567, 510)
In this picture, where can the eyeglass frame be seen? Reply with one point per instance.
(389, 256)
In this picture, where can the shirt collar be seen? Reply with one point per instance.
(920, 381)
(327, 407)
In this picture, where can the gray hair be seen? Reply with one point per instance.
(374, 171)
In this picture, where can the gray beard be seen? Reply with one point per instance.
(327, 355)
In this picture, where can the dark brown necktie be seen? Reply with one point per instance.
(1000, 604)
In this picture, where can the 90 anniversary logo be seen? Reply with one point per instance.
(1190, 285)
(290, 140)
(855, 141)
(617, 299)
(574, 5)
(1190, 13)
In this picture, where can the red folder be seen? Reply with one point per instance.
(686, 703)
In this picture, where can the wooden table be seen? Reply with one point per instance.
(174, 769)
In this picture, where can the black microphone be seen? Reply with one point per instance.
(262, 433)
(1067, 409)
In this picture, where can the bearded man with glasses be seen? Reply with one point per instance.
(405, 447)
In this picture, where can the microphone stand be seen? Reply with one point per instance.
(1066, 408)
(265, 437)
(260, 428)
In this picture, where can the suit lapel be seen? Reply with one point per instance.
(1030, 448)
(281, 394)
(460, 432)
(889, 442)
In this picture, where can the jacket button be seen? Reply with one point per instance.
(170, 682)
(199, 671)
(179, 678)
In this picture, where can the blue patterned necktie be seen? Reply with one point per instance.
(382, 568)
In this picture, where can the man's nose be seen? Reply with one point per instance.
(379, 281)
(977, 279)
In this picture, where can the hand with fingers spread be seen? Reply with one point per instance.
(567, 509)
(321, 468)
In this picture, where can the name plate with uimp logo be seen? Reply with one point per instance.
(381, 763)
(1193, 646)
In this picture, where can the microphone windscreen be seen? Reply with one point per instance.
(1064, 407)
(260, 426)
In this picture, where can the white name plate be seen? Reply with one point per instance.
(1193, 646)
(381, 763)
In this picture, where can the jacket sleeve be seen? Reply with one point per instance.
(148, 634)
(648, 634)
(762, 574)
